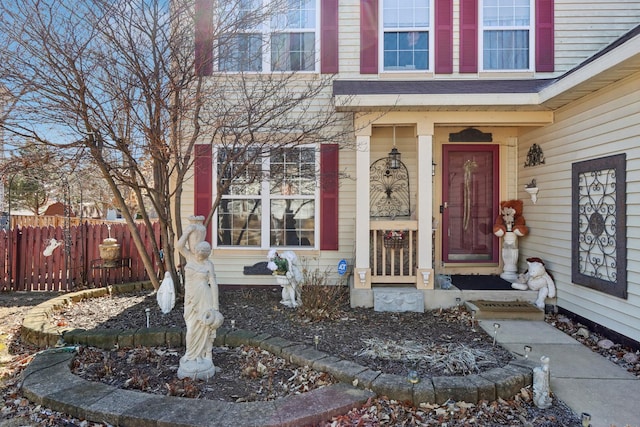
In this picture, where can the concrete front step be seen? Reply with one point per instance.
(512, 310)
(398, 299)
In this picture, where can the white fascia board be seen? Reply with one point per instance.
(422, 100)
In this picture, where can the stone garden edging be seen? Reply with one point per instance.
(504, 382)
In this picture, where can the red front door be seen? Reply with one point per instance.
(470, 203)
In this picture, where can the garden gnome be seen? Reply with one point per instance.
(541, 384)
(201, 309)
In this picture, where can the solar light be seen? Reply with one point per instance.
(413, 377)
(496, 326)
(451, 407)
(233, 324)
(527, 350)
(316, 341)
(148, 313)
(585, 419)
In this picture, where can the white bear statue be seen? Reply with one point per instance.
(537, 279)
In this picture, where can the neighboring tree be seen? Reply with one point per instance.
(29, 177)
(117, 79)
(27, 192)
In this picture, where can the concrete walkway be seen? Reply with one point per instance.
(581, 378)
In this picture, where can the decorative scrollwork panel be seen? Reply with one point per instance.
(599, 225)
(389, 190)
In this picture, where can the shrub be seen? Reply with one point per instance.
(320, 300)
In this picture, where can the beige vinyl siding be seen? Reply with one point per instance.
(602, 124)
(349, 38)
(582, 28)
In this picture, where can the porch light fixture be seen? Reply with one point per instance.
(394, 154)
(433, 168)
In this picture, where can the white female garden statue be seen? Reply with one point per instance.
(201, 309)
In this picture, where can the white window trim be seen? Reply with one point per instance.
(430, 30)
(532, 40)
(265, 199)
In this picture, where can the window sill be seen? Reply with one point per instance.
(411, 74)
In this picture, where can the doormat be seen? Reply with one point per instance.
(513, 310)
(478, 282)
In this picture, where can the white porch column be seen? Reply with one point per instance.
(362, 270)
(424, 211)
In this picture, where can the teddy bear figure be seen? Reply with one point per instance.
(538, 279)
(510, 219)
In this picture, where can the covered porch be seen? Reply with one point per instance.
(401, 250)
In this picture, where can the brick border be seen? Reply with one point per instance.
(504, 382)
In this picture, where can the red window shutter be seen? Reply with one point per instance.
(203, 37)
(329, 197)
(369, 37)
(468, 36)
(444, 36)
(203, 182)
(329, 36)
(545, 53)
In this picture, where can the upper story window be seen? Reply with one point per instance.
(273, 205)
(406, 34)
(283, 39)
(506, 34)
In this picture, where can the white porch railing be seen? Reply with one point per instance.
(393, 251)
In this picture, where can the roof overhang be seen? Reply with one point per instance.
(617, 61)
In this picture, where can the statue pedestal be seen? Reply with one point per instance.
(510, 257)
(199, 369)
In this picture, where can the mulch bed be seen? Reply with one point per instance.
(345, 332)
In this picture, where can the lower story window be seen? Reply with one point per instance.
(276, 207)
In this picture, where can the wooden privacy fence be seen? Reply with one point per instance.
(75, 262)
